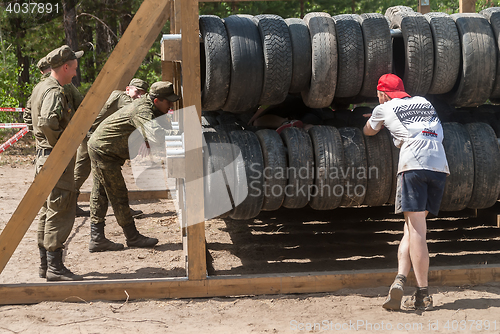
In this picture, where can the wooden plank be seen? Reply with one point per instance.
(424, 6)
(175, 28)
(171, 49)
(192, 139)
(467, 6)
(134, 195)
(121, 65)
(167, 71)
(312, 282)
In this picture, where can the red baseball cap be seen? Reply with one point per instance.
(392, 85)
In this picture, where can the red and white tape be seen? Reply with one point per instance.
(14, 139)
(12, 109)
(12, 125)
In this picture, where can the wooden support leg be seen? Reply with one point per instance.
(191, 82)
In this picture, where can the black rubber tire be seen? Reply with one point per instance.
(486, 165)
(275, 180)
(301, 54)
(357, 118)
(354, 164)
(493, 16)
(350, 55)
(227, 127)
(378, 51)
(215, 59)
(210, 113)
(247, 64)
(462, 116)
(208, 121)
(277, 50)
(418, 52)
(328, 162)
(478, 69)
(321, 90)
(248, 172)
(391, 12)
(379, 169)
(217, 156)
(300, 162)
(489, 113)
(395, 164)
(227, 118)
(460, 182)
(446, 52)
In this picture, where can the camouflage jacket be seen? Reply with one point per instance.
(110, 141)
(50, 112)
(116, 100)
(73, 97)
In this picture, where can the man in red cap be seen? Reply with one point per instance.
(417, 131)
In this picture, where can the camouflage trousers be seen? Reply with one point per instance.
(82, 165)
(109, 184)
(57, 215)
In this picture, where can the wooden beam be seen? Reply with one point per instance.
(175, 28)
(234, 285)
(467, 6)
(192, 140)
(424, 6)
(121, 65)
(171, 48)
(134, 195)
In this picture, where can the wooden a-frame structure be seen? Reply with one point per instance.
(118, 70)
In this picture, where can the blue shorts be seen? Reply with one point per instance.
(420, 190)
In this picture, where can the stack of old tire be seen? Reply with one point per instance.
(250, 61)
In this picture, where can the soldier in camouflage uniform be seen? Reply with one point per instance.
(51, 113)
(108, 149)
(73, 96)
(116, 100)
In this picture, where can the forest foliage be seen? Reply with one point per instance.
(96, 26)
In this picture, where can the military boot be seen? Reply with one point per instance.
(135, 239)
(42, 271)
(98, 242)
(81, 213)
(56, 270)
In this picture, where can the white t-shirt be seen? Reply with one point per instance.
(416, 130)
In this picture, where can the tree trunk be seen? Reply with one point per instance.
(70, 29)
(23, 62)
(87, 40)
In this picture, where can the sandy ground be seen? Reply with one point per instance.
(281, 241)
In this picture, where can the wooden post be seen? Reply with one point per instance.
(192, 139)
(467, 6)
(176, 29)
(121, 65)
(424, 6)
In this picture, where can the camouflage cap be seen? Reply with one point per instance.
(163, 90)
(43, 64)
(141, 84)
(61, 55)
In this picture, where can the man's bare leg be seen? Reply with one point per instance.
(419, 253)
(404, 262)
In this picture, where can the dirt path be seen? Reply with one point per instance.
(281, 241)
